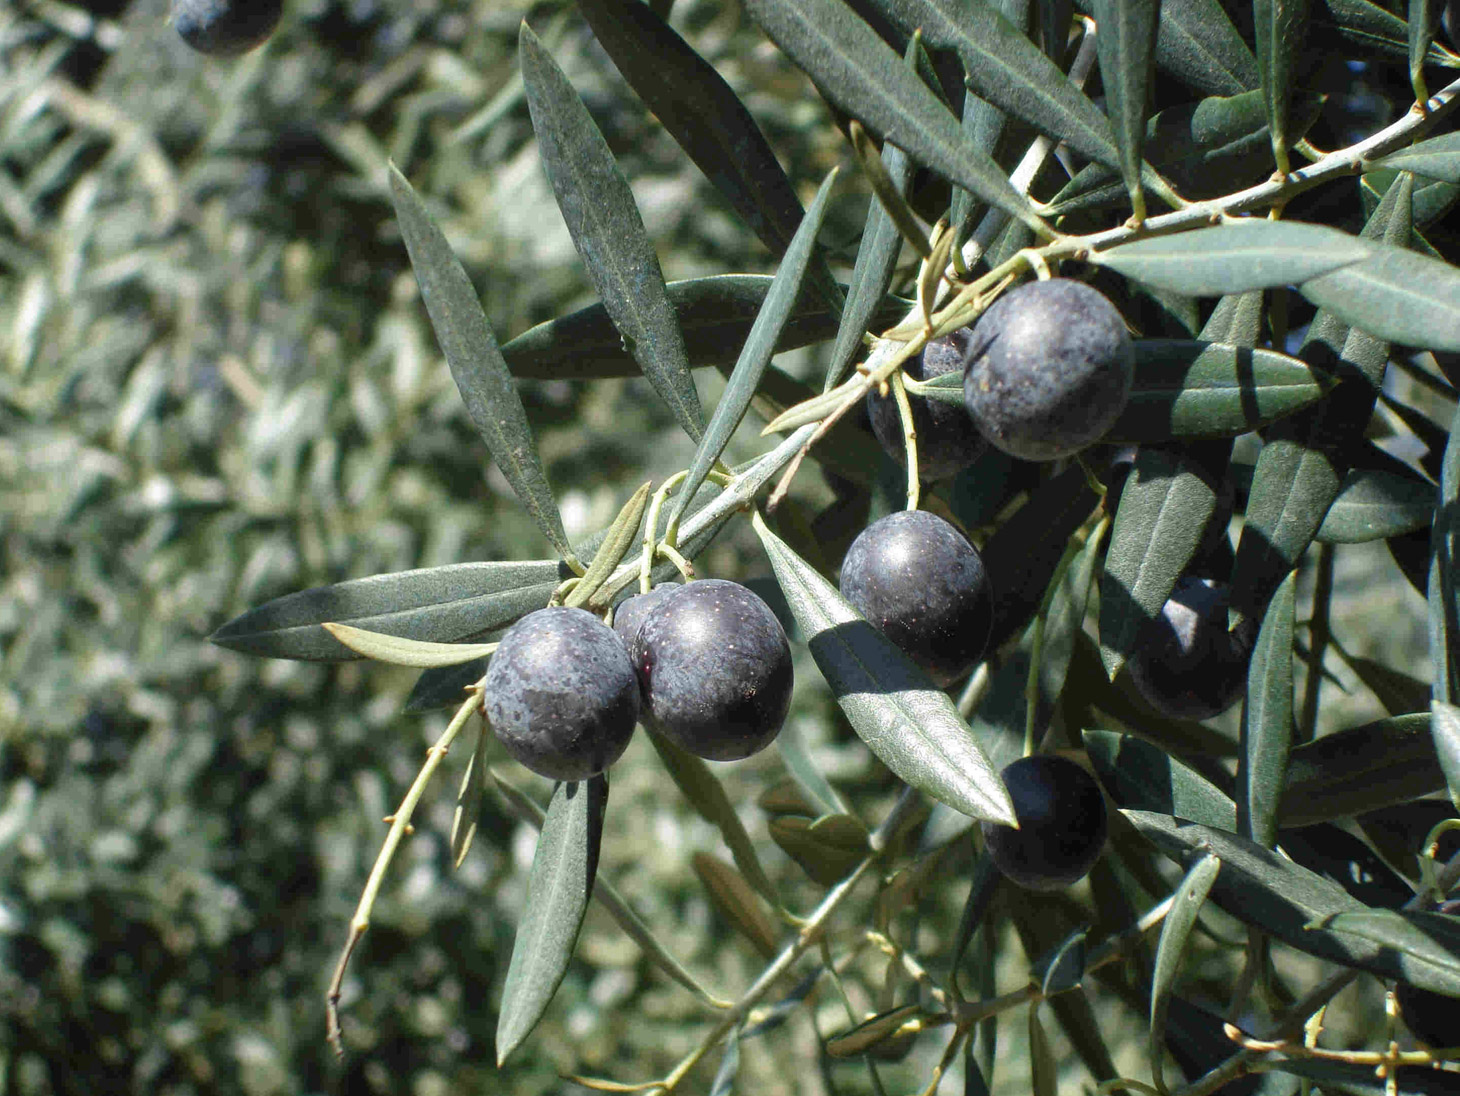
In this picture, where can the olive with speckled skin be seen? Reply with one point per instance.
(631, 612)
(947, 440)
(920, 583)
(715, 670)
(1062, 824)
(561, 695)
(1049, 369)
(1187, 665)
(226, 28)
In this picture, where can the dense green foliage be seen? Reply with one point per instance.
(247, 367)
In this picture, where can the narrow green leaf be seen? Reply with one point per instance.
(1236, 257)
(1064, 620)
(1165, 506)
(862, 75)
(872, 274)
(1360, 769)
(1186, 903)
(613, 903)
(1264, 889)
(443, 604)
(1186, 389)
(1374, 28)
(1197, 44)
(806, 772)
(622, 534)
(1267, 720)
(1444, 578)
(1395, 295)
(1126, 44)
(1140, 776)
(1445, 728)
(406, 652)
(1063, 967)
(910, 725)
(1302, 465)
(827, 849)
(706, 794)
(1005, 68)
(563, 870)
(1424, 20)
(760, 344)
(733, 897)
(469, 799)
(1280, 27)
(476, 364)
(598, 207)
(707, 119)
(1378, 503)
(1436, 158)
(715, 314)
(1398, 692)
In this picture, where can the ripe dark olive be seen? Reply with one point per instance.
(1187, 665)
(1432, 1017)
(920, 583)
(1048, 370)
(715, 670)
(226, 28)
(561, 695)
(631, 612)
(1062, 823)
(947, 440)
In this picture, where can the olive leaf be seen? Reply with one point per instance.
(1126, 45)
(1267, 720)
(1280, 27)
(476, 363)
(406, 652)
(861, 74)
(598, 207)
(563, 871)
(1186, 903)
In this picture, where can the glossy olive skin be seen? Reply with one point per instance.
(947, 440)
(630, 614)
(920, 583)
(226, 28)
(1187, 665)
(561, 695)
(1062, 824)
(1048, 369)
(715, 670)
(1432, 1017)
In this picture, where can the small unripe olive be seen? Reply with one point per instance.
(225, 28)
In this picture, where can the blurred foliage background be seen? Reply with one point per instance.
(218, 385)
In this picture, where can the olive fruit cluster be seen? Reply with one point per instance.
(226, 28)
(706, 665)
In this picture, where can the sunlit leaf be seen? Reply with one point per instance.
(563, 870)
(1235, 258)
(708, 120)
(1197, 44)
(1377, 503)
(1126, 44)
(1280, 27)
(1140, 776)
(476, 364)
(406, 652)
(1395, 295)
